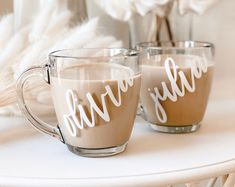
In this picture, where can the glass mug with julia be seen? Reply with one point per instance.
(176, 82)
(95, 94)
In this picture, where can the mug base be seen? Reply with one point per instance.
(175, 129)
(97, 152)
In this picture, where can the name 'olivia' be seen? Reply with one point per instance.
(71, 119)
(197, 67)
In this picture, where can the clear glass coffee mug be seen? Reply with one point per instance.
(95, 94)
(176, 82)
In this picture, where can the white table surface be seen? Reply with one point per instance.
(28, 158)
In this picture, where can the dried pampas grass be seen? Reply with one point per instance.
(30, 46)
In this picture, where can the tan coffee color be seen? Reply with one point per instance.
(187, 110)
(93, 78)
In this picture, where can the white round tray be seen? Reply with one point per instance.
(28, 158)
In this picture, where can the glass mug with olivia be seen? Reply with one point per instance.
(92, 90)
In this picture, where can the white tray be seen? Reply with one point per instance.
(28, 158)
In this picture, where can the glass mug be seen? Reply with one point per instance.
(176, 82)
(95, 94)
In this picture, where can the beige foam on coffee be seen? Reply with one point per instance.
(187, 110)
(93, 78)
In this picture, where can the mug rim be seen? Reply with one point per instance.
(190, 44)
(54, 54)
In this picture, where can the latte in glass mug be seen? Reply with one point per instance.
(97, 111)
(95, 94)
(176, 82)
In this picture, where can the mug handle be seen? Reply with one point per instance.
(40, 125)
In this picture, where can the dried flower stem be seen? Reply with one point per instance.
(159, 21)
(169, 31)
(159, 25)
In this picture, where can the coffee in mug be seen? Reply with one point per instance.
(176, 82)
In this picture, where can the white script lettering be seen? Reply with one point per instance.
(71, 119)
(197, 67)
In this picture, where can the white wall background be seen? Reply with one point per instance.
(218, 26)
